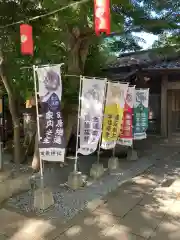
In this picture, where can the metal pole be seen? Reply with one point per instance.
(119, 127)
(132, 147)
(48, 65)
(113, 151)
(38, 127)
(114, 148)
(1, 159)
(134, 97)
(1, 134)
(103, 109)
(78, 124)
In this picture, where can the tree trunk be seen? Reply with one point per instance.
(36, 159)
(17, 144)
(79, 45)
(30, 126)
(70, 121)
(14, 113)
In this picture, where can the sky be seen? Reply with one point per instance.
(149, 39)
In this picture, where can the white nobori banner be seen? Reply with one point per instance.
(91, 114)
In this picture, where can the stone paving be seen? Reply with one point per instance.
(136, 214)
(11, 181)
(144, 208)
(68, 203)
(13, 185)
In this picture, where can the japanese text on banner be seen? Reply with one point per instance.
(140, 120)
(126, 133)
(52, 141)
(92, 104)
(113, 114)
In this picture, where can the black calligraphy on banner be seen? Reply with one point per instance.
(52, 132)
(91, 114)
(52, 140)
(113, 114)
(92, 131)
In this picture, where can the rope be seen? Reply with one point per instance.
(45, 15)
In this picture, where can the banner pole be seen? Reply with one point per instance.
(1, 158)
(114, 148)
(133, 128)
(113, 151)
(120, 126)
(118, 130)
(38, 127)
(132, 154)
(48, 65)
(134, 96)
(78, 125)
(1, 133)
(103, 109)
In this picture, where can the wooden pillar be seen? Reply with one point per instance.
(164, 85)
(169, 106)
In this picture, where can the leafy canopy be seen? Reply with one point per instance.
(52, 34)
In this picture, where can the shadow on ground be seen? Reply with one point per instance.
(144, 208)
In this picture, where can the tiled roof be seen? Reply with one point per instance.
(153, 59)
(121, 75)
(174, 64)
(165, 65)
(126, 62)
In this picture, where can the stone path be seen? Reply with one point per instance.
(144, 208)
(68, 203)
(10, 186)
(12, 182)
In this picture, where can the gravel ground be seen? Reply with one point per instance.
(68, 202)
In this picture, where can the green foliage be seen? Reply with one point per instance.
(152, 16)
(168, 40)
(11, 11)
(51, 34)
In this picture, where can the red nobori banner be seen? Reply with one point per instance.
(126, 133)
(102, 16)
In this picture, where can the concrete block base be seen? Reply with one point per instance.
(113, 163)
(43, 199)
(97, 170)
(132, 155)
(75, 180)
